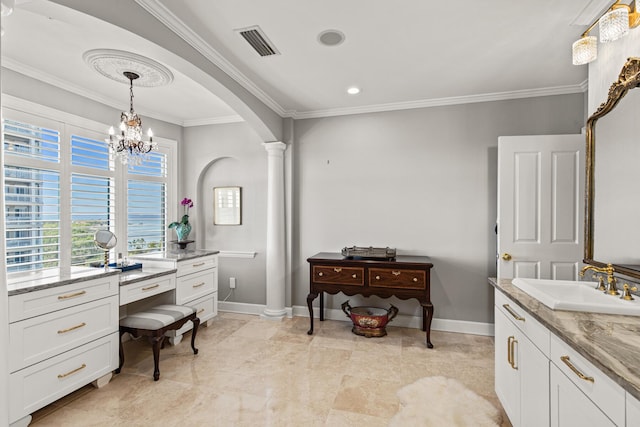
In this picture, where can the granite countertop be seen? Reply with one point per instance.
(610, 342)
(52, 278)
(133, 276)
(175, 255)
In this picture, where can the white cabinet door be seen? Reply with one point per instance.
(570, 407)
(633, 411)
(521, 375)
(533, 366)
(507, 378)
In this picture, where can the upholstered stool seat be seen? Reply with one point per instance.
(154, 323)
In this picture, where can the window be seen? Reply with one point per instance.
(147, 199)
(32, 195)
(92, 194)
(61, 185)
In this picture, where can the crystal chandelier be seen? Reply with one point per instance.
(615, 23)
(128, 145)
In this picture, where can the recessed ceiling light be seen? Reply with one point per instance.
(331, 37)
(353, 90)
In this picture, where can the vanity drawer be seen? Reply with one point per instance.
(38, 385)
(338, 275)
(601, 390)
(397, 278)
(206, 309)
(30, 304)
(197, 264)
(195, 286)
(38, 338)
(534, 330)
(146, 288)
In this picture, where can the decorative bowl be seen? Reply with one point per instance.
(369, 321)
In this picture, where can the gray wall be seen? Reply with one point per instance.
(221, 156)
(422, 181)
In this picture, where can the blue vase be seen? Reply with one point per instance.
(182, 231)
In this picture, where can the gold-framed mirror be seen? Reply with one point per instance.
(612, 208)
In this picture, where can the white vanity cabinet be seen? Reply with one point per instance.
(196, 283)
(581, 395)
(521, 364)
(60, 339)
(633, 411)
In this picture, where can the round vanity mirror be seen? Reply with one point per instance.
(105, 240)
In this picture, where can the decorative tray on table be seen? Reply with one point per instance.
(369, 252)
(123, 268)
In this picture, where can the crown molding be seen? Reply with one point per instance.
(585, 85)
(34, 73)
(175, 24)
(591, 11)
(213, 121)
(440, 102)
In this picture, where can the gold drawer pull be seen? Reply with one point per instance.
(64, 331)
(200, 311)
(198, 285)
(510, 350)
(514, 341)
(415, 279)
(395, 273)
(337, 269)
(377, 277)
(513, 313)
(200, 264)
(575, 370)
(321, 274)
(354, 276)
(150, 287)
(72, 372)
(77, 294)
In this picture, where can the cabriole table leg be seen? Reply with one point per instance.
(310, 299)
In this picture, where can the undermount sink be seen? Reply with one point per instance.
(576, 296)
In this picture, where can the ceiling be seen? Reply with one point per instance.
(407, 54)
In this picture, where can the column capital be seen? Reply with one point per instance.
(274, 146)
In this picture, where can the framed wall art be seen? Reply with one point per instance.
(227, 205)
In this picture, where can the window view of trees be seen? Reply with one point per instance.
(41, 176)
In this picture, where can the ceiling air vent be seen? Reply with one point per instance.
(257, 39)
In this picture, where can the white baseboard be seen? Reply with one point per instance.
(444, 325)
(245, 308)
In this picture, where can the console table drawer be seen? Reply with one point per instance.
(338, 275)
(397, 278)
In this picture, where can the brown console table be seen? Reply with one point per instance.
(404, 277)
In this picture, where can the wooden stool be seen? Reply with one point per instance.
(153, 323)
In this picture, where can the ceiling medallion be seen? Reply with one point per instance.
(113, 64)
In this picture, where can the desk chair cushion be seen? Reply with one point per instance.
(157, 317)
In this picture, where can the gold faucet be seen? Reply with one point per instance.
(627, 294)
(608, 270)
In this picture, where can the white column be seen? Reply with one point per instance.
(276, 250)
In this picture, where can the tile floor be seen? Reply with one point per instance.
(254, 372)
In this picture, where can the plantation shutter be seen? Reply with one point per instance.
(92, 196)
(32, 195)
(146, 204)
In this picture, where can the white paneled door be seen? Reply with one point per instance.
(540, 206)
